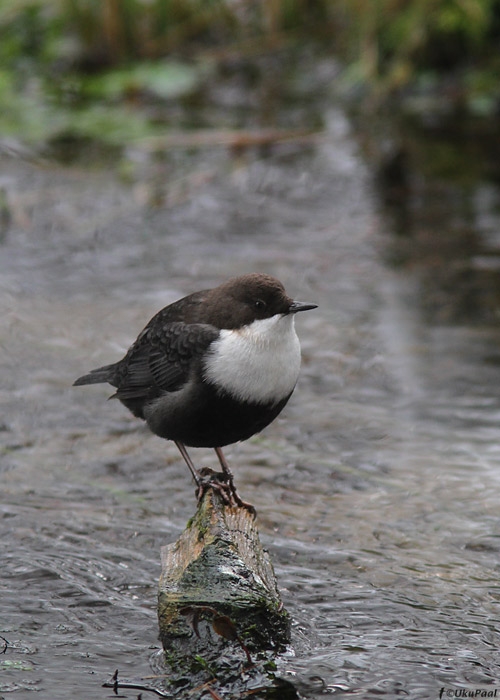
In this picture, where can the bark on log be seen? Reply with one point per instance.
(220, 614)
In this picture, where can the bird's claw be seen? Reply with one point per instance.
(224, 486)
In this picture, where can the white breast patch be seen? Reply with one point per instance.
(258, 363)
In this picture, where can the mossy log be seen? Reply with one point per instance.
(221, 618)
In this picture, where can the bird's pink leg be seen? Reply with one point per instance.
(230, 480)
(203, 484)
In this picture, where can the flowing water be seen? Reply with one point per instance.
(378, 488)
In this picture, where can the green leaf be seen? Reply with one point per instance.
(165, 79)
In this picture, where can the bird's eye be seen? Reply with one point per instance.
(259, 304)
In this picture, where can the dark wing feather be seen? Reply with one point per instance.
(162, 358)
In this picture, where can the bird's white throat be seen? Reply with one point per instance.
(258, 363)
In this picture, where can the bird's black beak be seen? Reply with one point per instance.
(297, 306)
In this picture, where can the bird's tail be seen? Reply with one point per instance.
(100, 375)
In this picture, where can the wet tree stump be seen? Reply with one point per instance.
(220, 614)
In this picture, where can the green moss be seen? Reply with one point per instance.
(198, 663)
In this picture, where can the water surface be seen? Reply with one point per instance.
(377, 489)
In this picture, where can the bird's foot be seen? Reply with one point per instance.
(224, 486)
(208, 479)
(240, 502)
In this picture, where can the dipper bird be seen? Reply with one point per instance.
(211, 369)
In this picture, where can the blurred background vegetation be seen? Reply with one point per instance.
(72, 65)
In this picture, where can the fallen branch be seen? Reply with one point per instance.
(235, 139)
(218, 578)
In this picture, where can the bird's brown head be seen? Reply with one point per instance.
(242, 300)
